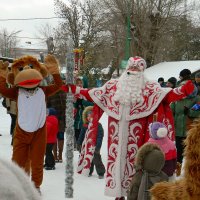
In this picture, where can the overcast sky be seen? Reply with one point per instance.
(17, 9)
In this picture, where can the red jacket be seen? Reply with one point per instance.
(52, 128)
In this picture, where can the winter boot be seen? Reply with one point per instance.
(101, 176)
(50, 168)
(60, 150)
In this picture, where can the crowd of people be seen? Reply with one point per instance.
(142, 148)
(184, 111)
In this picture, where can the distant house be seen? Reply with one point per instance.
(18, 52)
(169, 69)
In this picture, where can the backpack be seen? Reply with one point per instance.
(143, 192)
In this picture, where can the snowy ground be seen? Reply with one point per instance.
(53, 187)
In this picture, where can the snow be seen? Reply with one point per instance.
(169, 69)
(53, 187)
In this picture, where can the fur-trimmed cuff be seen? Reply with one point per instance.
(74, 89)
(78, 89)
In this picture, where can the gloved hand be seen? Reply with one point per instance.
(65, 88)
(186, 110)
(196, 106)
(71, 88)
(4, 68)
(51, 64)
(188, 87)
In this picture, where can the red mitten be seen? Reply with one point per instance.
(71, 88)
(74, 89)
(65, 88)
(189, 87)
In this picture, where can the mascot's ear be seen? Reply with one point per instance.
(10, 78)
(44, 71)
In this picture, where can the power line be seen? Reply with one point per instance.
(43, 18)
(34, 18)
(25, 37)
(30, 38)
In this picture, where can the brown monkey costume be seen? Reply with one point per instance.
(30, 131)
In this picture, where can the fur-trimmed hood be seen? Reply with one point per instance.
(85, 112)
(150, 158)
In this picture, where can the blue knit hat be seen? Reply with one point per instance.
(51, 111)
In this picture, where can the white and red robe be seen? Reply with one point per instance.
(127, 128)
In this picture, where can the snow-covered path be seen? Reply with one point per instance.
(85, 188)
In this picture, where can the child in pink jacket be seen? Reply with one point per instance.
(158, 135)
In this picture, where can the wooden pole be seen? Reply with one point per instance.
(155, 117)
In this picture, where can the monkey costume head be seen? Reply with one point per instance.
(27, 72)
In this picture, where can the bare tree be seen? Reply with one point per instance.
(8, 43)
(102, 29)
(150, 24)
(58, 41)
(84, 23)
(72, 19)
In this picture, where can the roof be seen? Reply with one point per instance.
(169, 69)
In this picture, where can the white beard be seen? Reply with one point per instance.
(129, 88)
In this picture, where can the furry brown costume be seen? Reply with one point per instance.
(188, 187)
(30, 131)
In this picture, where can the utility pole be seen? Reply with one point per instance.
(128, 36)
(186, 27)
(50, 45)
(128, 32)
(5, 41)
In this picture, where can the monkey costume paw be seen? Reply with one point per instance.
(51, 64)
(4, 68)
